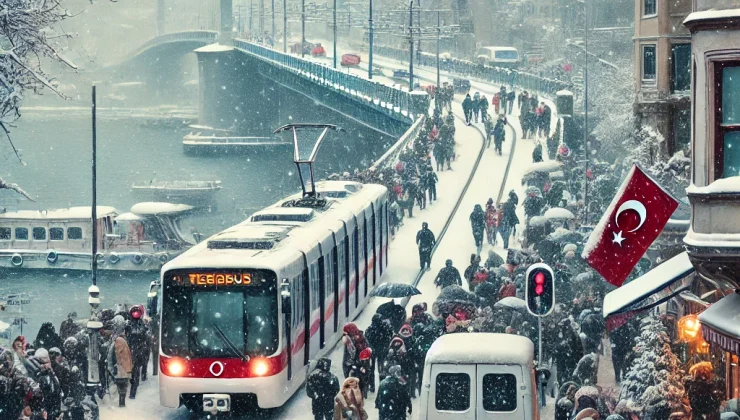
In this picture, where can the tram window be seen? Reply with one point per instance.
(314, 282)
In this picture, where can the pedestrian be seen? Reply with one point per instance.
(546, 119)
(419, 315)
(567, 352)
(508, 289)
(430, 179)
(537, 153)
(467, 106)
(138, 338)
(705, 394)
(499, 133)
(491, 222)
(19, 355)
(496, 102)
(510, 97)
(448, 276)
(393, 400)
(47, 337)
(378, 336)
(69, 326)
(483, 108)
(321, 387)
(354, 342)
(504, 97)
(348, 403)
(488, 127)
(478, 225)
(364, 370)
(509, 221)
(475, 105)
(425, 241)
(472, 268)
(119, 358)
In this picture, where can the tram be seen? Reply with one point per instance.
(244, 311)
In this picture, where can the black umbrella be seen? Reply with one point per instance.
(394, 290)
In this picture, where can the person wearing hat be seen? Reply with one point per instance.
(425, 240)
(139, 340)
(448, 276)
(69, 326)
(321, 387)
(393, 398)
(119, 358)
(364, 370)
(349, 404)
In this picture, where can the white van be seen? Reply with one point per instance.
(476, 376)
(498, 56)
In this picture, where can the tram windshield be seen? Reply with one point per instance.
(208, 313)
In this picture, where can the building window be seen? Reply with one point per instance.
(648, 64)
(727, 119)
(21, 234)
(56, 234)
(74, 233)
(5, 234)
(650, 8)
(39, 234)
(680, 68)
(452, 392)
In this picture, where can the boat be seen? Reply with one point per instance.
(201, 144)
(143, 239)
(197, 193)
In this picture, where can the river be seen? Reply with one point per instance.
(56, 147)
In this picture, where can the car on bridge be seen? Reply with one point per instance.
(318, 51)
(350, 60)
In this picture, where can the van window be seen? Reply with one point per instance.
(499, 392)
(56, 234)
(452, 392)
(507, 55)
(21, 234)
(74, 233)
(5, 234)
(39, 234)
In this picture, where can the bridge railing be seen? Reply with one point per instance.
(376, 94)
(390, 157)
(494, 75)
(205, 36)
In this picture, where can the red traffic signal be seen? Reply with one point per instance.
(540, 289)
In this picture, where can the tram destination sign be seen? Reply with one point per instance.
(213, 279)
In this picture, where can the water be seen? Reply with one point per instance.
(57, 149)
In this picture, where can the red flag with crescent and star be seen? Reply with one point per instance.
(634, 219)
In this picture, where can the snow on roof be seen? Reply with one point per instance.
(127, 217)
(564, 93)
(546, 166)
(72, 213)
(215, 48)
(486, 348)
(720, 186)
(154, 208)
(559, 213)
(303, 211)
(724, 315)
(696, 17)
(652, 282)
(537, 221)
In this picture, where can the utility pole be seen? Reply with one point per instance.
(418, 42)
(273, 24)
(411, 46)
(303, 28)
(262, 19)
(334, 13)
(585, 109)
(251, 13)
(285, 26)
(370, 42)
(438, 36)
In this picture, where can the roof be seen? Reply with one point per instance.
(490, 348)
(154, 208)
(721, 323)
(285, 210)
(656, 286)
(215, 48)
(72, 213)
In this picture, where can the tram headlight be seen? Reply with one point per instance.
(260, 367)
(175, 367)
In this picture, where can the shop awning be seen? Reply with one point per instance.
(658, 285)
(720, 324)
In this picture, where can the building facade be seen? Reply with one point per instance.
(713, 241)
(662, 53)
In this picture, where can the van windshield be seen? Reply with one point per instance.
(507, 55)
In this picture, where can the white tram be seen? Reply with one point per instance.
(244, 311)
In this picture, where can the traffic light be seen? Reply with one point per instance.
(540, 290)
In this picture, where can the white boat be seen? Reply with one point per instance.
(198, 193)
(209, 144)
(143, 239)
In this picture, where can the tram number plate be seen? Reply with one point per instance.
(214, 403)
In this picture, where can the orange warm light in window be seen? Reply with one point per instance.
(688, 328)
(260, 367)
(175, 367)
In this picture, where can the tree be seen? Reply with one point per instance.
(27, 36)
(654, 378)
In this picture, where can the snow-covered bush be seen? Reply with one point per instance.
(654, 378)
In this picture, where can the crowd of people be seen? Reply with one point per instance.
(48, 379)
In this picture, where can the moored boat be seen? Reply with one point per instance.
(197, 193)
(143, 239)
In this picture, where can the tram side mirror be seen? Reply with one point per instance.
(152, 299)
(285, 296)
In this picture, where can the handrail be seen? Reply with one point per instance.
(390, 156)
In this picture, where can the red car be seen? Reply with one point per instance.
(350, 60)
(318, 51)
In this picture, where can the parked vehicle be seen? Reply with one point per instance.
(498, 56)
(479, 376)
(461, 85)
(350, 60)
(318, 51)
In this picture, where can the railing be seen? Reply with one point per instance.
(375, 94)
(205, 36)
(491, 74)
(390, 157)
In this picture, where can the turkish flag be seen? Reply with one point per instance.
(634, 219)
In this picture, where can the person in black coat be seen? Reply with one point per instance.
(448, 276)
(378, 336)
(429, 180)
(467, 106)
(47, 337)
(509, 220)
(621, 340)
(499, 133)
(139, 340)
(393, 398)
(537, 153)
(321, 387)
(478, 224)
(425, 241)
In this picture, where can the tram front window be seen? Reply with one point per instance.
(212, 313)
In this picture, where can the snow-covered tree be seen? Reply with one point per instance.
(654, 379)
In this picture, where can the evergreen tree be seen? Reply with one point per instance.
(654, 379)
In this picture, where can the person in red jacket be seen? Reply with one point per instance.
(491, 221)
(496, 102)
(508, 289)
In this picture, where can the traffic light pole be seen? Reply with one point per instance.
(542, 383)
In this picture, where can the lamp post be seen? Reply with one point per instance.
(303, 28)
(585, 110)
(418, 42)
(370, 42)
(438, 36)
(411, 46)
(334, 15)
(273, 24)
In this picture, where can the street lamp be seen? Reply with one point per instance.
(303, 28)
(370, 42)
(334, 12)
(411, 46)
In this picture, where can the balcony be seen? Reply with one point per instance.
(713, 241)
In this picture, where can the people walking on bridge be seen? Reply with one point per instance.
(510, 98)
(448, 276)
(499, 133)
(496, 102)
(491, 221)
(354, 342)
(429, 181)
(321, 387)
(475, 105)
(537, 153)
(478, 224)
(425, 241)
(545, 120)
(467, 106)
(488, 127)
(483, 108)
(393, 400)
(504, 97)
(509, 220)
